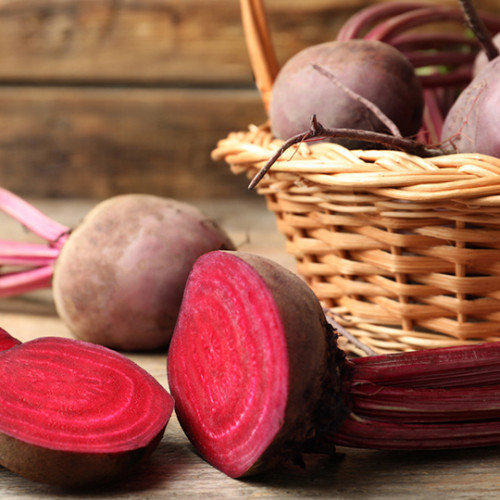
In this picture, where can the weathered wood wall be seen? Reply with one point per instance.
(99, 97)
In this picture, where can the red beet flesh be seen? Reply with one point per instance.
(74, 414)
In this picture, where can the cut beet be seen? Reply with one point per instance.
(245, 366)
(6, 340)
(258, 378)
(74, 414)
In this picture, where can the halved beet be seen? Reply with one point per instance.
(247, 362)
(74, 414)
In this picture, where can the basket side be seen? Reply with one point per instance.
(404, 252)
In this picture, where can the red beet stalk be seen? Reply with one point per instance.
(75, 414)
(30, 265)
(258, 377)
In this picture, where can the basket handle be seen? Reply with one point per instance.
(260, 49)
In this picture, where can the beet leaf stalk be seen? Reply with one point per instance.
(258, 378)
(29, 265)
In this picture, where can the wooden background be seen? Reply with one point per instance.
(100, 97)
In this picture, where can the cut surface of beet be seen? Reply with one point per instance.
(231, 414)
(73, 413)
(73, 396)
(7, 341)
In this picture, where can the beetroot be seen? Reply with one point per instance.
(481, 59)
(371, 69)
(471, 125)
(118, 277)
(258, 378)
(75, 414)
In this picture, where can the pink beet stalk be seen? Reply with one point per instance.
(258, 377)
(30, 264)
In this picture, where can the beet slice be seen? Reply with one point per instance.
(7, 340)
(75, 414)
(244, 380)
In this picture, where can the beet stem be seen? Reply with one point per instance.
(438, 398)
(477, 26)
(36, 260)
(384, 119)
(16, 283)
(367, 17)
(32, 218)
(318, 131)
(20, 253)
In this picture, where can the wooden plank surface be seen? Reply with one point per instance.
(188, 41)
(176, 471)
(97, 142)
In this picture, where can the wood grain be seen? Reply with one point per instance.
(97, 142)
(155, 41)
(100, 97)
(193, 41)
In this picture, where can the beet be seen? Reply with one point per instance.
(245, 360)
(371, 69)
(257, 376)
(481, 59)
(75, 414)
(471, 125)
(7, 341)
(118, 277)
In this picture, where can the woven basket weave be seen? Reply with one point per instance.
(403, 251)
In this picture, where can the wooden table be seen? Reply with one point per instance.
(175, 471)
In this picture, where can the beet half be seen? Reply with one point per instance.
(374, 70)
(74, 414)
(258, 378)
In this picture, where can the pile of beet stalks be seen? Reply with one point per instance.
(431, 399)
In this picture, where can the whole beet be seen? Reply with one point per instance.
(472, 123)
(374, 70)
(121, 274)
(481, 59)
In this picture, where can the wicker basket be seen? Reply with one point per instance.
(403, 251)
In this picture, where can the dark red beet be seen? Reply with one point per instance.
(74, 414)
(257, 376)
(118, 277)
(374, 70)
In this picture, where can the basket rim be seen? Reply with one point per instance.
(473, 178)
